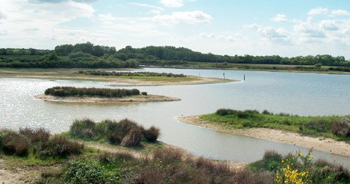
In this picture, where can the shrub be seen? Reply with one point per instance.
(15, 144)
(211, 168)
(83, 129)
(224, 112)
(267, 112)
(320, 125)
(151, 134)
(144, 93)
(133, 138)
(340, 128)
(84, 171)
(168, 155)
(59, 146)
(270, 162)
(239, 114)
(112, 157)
(39, 135)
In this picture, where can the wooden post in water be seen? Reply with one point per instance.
(223, 75)
(244, 77)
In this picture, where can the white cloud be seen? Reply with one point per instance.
(61, 1)
(38, 22)
(207, 35)
(318, 11)
(279, 18)
(2, 16)
(188, 17)
(172, 3)
(340, 12)
(270, 32)
(252, 26)
(155, 9)
(330, 25)
(309, 29)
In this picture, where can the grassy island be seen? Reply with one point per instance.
(100, 95)
(327, 126)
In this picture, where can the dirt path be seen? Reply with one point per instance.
(317, 143)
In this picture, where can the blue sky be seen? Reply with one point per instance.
(255, 27)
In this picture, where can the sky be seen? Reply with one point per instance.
(256, 27)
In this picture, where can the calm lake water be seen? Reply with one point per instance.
(293, 93)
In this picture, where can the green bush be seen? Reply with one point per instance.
(84, 171)
(320, 125)
(83, 129)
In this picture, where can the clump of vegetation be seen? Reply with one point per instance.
(39, 135)
(13, 143)
(131, 74)
(341, 128)
(151, 134)
(59, 146)
(37, 142)
(125, 132)
(327, 126)
(300, 169)
(90, 92)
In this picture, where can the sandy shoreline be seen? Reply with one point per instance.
(316, 143)
(148, 98)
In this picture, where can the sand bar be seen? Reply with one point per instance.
(139, 98)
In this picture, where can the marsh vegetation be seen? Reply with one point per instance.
(335, 127)
(90, 92)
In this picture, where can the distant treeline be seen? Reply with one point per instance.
(87, 55)
(148, 74)
(153, 55)
(90, 92)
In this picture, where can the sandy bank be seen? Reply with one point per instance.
(317, 143)
(193, 80)
(140, 98)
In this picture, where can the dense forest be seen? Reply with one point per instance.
(88, 55)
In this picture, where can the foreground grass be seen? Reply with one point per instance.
(314, 126)
(114, 152)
